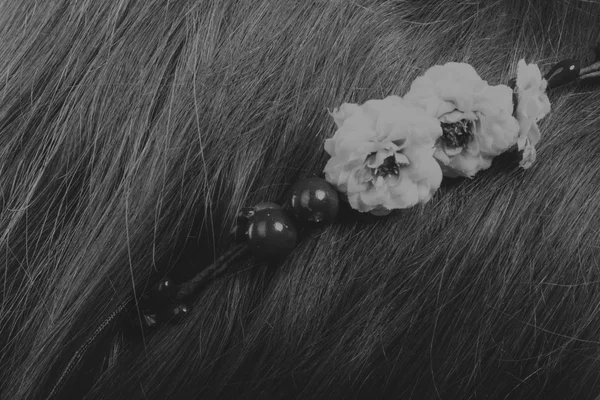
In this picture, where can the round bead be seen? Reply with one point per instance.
(174, 313)
(314, 200)
(164, 290)
(240, 231)
(271, 234)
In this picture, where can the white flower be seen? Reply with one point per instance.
(477, 118)
(532, 105)
(382, 155)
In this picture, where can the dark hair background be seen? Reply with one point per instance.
(132, 131)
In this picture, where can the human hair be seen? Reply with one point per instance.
(132, 132)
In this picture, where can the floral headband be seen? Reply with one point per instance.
(392, 153)
(386, 154)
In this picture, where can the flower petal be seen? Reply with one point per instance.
(401, 159)
(466, 165)
(451, 152)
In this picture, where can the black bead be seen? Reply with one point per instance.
(172, 314)
(240, 231)
(164, 290)
(179, 312)
(271, 234)
(562, 73)
(314, 200)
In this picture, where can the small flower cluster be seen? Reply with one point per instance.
(392, 153)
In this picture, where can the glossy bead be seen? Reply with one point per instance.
(562, 73)
(240, 231)
(271, 234)
(164, 290)
(173, 314)
(314, 200)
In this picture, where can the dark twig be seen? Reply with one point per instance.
(216, 269)
(591, 75)
(589, 69)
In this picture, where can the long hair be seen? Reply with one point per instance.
(132, 131)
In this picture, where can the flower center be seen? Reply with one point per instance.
(388, 167)
(457, 134)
